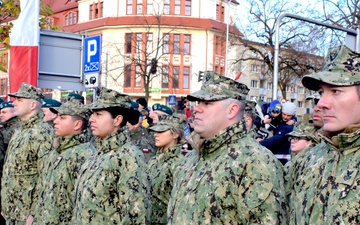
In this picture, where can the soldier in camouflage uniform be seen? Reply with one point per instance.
(112, 186)
(232, 179)
(73, 147)
(168, 136)
(26, 154)
(324, 187)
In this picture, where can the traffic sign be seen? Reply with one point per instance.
(92, 52)
(91, 80)
(172, 100)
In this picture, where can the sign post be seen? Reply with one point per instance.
(92, 52)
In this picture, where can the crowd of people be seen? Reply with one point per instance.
(119, 160)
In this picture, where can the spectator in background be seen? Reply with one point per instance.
(300, 138)
(27, 153)
(278, 143)
(49, 116)
(142, 104)
(168, 138)
(250, 117)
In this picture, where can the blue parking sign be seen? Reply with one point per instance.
(92, 52)
(172, 100)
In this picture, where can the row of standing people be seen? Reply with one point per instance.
(229, 178)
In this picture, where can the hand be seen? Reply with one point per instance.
(259, 139)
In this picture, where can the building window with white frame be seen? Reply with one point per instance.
(175, 77)
(299, 104)
(177, 5)
(165, 77)
(139, 7)
(150, 7)
(166, 7)
(254, 68)
(300, 90)
(186, 77)
(166, 44)
(269, 85)
(187, 7)
(254, 84)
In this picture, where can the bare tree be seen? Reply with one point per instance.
(297, 40)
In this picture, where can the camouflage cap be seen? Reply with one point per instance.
(28, 91)
(250, 107)
(216, 87)
(342, 68)
(302, 130)
(8, 104)
(169, 122)
(110, 98)
(72, 107)
(49, 102)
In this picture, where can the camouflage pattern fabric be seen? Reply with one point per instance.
(110, 98)
(218, 87)
(112, 186)
(6, 132)
(342, 68)
(233, 180)
(55, 204)
(28, 91)
(302, 130)
(24, 162)
(323, 188)
(144, 141)
(161, 175)
(73, 108)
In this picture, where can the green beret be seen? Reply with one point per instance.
(49, 102)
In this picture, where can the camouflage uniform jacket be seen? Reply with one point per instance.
(142, 139)
(24, 162)
(6, 132)
(324, 186)
(233, 180)
(112, 187)
(161, 169)
(55, 203)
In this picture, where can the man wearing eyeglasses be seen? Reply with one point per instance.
(278, 143)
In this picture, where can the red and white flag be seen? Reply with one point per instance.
(24, 45)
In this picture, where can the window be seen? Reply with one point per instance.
(166, 7)
(300, 90)
(138, 43)
(129, 7)
(287, 89)
(128, 40)
(150, 7)
(96, 10)
(165, 77)
(220, 45)
(175, 78)
(254, 83)
(187, 7)
(187, 44)
(166, 40)
(270, 86)
(254, 68)
(139, 9)
(127, 76)
(149, 42)
(138, 77)
(299, 104)
(177, 7)
(70, 19)
(176, 43)
(186, 77)
(268, 99)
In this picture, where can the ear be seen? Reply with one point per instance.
(175, 136)
(33, 104)
(232, 110)
(118, 119)
(77, 125)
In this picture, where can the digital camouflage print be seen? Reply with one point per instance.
(144, 141)
(24, 162)
(218, 87)
(233, 180)
(28, 91)
(55, 204)
(110, 98)
(342, 68)
(161, 175)
(323, 187)
(112, 187)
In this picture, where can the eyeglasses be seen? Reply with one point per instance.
(296, 139)
(275, 111)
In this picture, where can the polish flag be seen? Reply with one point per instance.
(24, 49)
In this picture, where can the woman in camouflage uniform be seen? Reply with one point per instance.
(168, 135)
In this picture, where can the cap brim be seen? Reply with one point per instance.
(295, 134)
(54, 110)
(159, 128)
(336, 78)
(205, 96)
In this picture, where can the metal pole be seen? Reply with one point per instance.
(106, 69)
(227, 39)
(276, 48)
